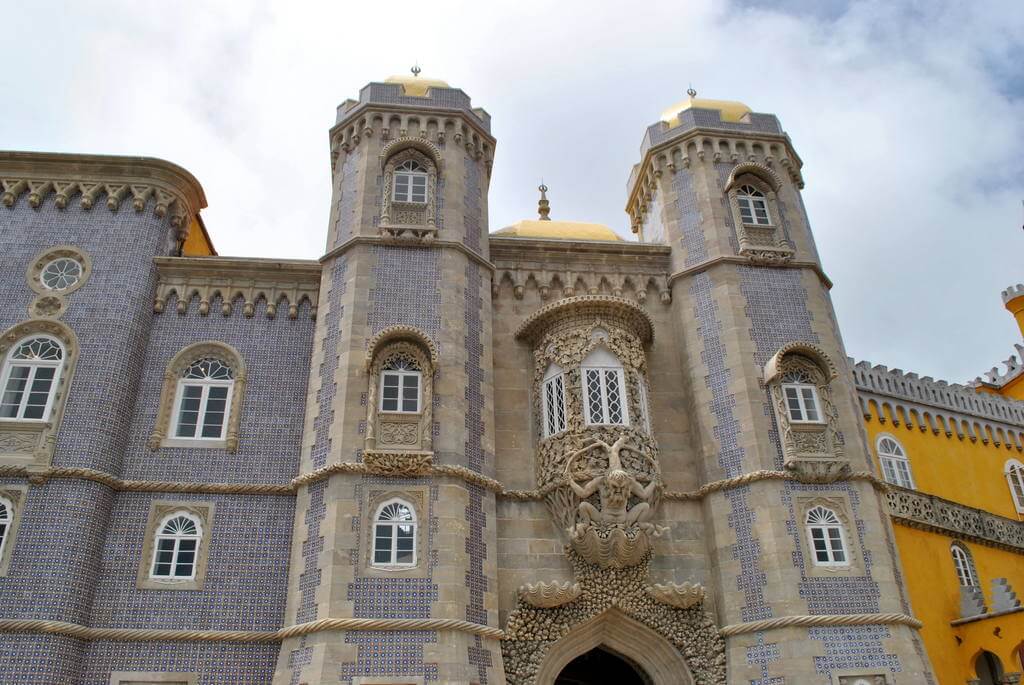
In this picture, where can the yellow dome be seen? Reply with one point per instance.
(730, 109)
(416, 85)
(558, 230)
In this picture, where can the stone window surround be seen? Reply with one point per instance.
(169, 396)
(393, 155)
(838, 502)
(380, 424)
(751, 243)
(415, 523)
(16, 495)
(152, 678)
(45, 256)
(158, 511)
(28, 442)
(416, 498)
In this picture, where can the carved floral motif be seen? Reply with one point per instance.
(398, 463)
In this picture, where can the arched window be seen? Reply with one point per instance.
(394, 534)
(410, 182)
(801, 395)
(825, 532)
(203, 400)
(964, 565)
(603, 389)
(553, 400)
(400, 384)
(753, 206)
(1014, 471)
(177, 547)
(6, 521)
(30, 376)
(895, 465)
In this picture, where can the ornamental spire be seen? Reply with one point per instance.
(415, 70)
(543, 206)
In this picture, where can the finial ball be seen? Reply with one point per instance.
(542, 188)
(416, 70)
(691, 92)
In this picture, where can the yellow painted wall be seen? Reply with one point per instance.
(198, 243)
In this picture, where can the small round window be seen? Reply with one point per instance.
(61, 273)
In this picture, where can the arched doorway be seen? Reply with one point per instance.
(601, 665)
(989, 669)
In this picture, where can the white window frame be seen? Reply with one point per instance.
(830, 548)
(604, 372)
(7, 521)
(402, 375)
(394, 564)
(409, 197)
(895, 464)
(177, 538)
(1014, 472)
(747, 196)
(963, 564)
(802, 402)
(205, 384)
(554, 419)
(33, 365)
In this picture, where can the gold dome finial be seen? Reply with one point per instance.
(543, 206)
(415, 70)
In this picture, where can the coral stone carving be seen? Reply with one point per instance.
(680, 596)
(549, 595)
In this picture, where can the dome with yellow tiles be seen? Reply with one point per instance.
(415, 84)
(730, 110)
(558, 230)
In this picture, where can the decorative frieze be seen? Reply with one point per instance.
(928, 512)
(282, 284)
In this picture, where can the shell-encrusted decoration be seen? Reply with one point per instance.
(547, 595)
(679, 596)
(614, 547)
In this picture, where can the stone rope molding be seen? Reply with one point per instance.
(178, 635)
(807, 621)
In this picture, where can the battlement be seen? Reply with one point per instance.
(1013, 292)
(393, 94)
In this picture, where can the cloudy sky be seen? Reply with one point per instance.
(909, 118)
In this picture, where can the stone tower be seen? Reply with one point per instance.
(720, 185)
(405, 287)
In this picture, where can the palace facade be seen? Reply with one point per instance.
(443, 455)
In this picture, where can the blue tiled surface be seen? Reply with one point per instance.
(690, 219)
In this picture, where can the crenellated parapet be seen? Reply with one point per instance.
(904, 398)
(282, 284)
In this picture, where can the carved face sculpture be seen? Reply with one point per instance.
(617, 488)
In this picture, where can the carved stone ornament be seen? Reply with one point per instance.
(549, 595)
(411, 222)
(759, 243)
(608, 594)
(928, 512)
(819, 470)
(398, 463)
(28, 442)
(47, 306)
(680, 596)
(33, 274)
(394, 431)
(224, 353)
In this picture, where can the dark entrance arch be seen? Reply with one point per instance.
(599, 666)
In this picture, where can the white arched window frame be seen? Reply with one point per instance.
(394, 535)
(202, 404)
(29, 379)
(6, 523)
(826, 537)
(753, 206)
(410, 183)
(176, 547)
(801, 395)
(401, 380)
(895, 465)
(604, 396)
(964, 565)
(553, 400)
(1014, 471)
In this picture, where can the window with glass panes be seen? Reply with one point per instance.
(801, 397)
(753, 206)
(394, 535)
(964, 565)
(400, 385)
(1015, 479)
(895, 465)
(553, 396)
(6, 519)
(604, 396)
(29, 379)
(825, 532)
(410, 183)
(204, 400)
(177, 547)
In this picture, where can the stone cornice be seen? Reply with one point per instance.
(176, 192)
(275, 281)
(377, 240)
(929, 512)
(747, 261)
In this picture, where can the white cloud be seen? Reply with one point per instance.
(908, 117)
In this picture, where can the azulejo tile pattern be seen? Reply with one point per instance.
(849, 647)
(690, 219)
(324, 418)
(406, 289)
(471, 209)
(762, 654)
(724, 169)
(218, 662)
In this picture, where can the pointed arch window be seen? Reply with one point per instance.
(204, 400)
(400, 382)
(553, 400)
(176, 548)
(410, 182)
(826, 536)
(604, 389)
(801, 395)
(394, 535)
(753, 206)
(964, 565)
(895, 465)
(30, 377)
(6, 523)
(1014, 471)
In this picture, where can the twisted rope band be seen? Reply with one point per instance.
(326, 624)
(822, 620)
